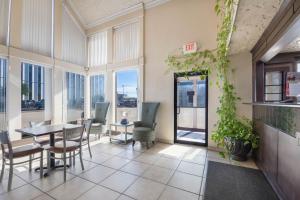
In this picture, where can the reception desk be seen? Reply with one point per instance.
(278, 156)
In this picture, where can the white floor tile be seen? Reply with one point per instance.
(97, 174)
(159, 174)
(25, 192)
(99, 192)
(119, 181)
(116, 162)
(191, 168)
(136, 168)
(144, 189)
(176, 194)
(186, 182)
(71, 189)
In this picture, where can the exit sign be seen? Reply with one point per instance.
(190, 47)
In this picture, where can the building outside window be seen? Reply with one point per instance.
(127, 94)
(75, 96)
(97, 91)
(3, 77)
(33, 87)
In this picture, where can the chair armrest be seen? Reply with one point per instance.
(137, 124)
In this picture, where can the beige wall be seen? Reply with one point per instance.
(167, 28)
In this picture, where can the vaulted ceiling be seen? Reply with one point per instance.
(92, 12)
(253, 17)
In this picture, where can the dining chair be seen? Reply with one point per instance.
(86, 135)
(40, 140)
(67, 146)
(9, 153)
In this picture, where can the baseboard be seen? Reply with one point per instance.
(166, 141)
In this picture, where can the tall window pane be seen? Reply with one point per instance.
(33, 87)
(127, 94)
(97, 91)
(75, 96)
(3, 76)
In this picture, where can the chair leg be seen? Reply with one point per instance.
(48, 162)
(10, 174)
(89, 149)
(65, 167)
(2, 170)
(80, 155)
(30, 162)
(41, 165)
(70, 158)
(133, 143)
(74, 158)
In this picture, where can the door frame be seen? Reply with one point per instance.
(183, 74)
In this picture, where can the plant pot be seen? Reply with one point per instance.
(239, 150)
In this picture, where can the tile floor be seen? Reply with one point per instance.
(116, 171)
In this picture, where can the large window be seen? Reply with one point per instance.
(75, 96)
(33, 87)
(127, 94)
(97, 91)
(3, 75)
(274, 86)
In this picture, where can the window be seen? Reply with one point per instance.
(97, 49)
(127, 94)
(75, 96)
(36, 33)
(73, 41)
(274, 86)
(3, 76)
(298, 67)
(97, 91)
(33, 87)
(126, 42)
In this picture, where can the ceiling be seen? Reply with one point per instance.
(253, 17)
(293, 46)
(93, 12)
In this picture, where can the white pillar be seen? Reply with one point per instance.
(57, 84)
(87, 100)
(48, 94)
(14, 97)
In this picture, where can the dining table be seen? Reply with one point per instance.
(51, 131)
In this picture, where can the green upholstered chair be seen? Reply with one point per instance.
(99, 121)
(143, 130)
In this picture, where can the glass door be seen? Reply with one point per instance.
(190, 104)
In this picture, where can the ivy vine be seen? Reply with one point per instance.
(229, 125)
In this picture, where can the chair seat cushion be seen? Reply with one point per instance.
(24, 151)
(142, 130)
(59, 146)
(84, 138)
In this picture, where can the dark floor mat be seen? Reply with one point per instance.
(228, 182)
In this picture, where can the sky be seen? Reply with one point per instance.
(129, 79)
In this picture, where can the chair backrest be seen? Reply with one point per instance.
(149, 110)
(72, 122)
(87, 127)
(37, 124)
(5, 141)
(72, 133)
(101, 109)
